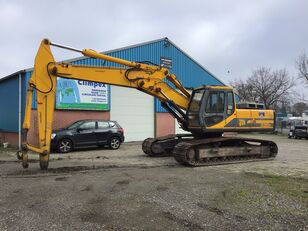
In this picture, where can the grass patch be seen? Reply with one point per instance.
(6, 152)
(243, 196)
(8, 149)
(294, 187)
(280, 202)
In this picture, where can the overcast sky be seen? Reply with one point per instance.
(229, 38)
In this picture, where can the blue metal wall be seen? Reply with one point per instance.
(9, 104)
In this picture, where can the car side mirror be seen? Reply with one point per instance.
(79, 129)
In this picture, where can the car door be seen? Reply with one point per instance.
(102, 132)
(85, 134)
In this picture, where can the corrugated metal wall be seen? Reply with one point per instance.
(9, 104)
(190, 73)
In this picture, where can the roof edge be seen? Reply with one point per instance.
(12, 75)
(119, 49)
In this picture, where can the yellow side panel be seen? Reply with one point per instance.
(255, 119)
(246, 119)
(262, 119)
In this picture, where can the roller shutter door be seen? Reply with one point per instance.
(134, 110)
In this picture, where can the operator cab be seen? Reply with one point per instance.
(209, 106)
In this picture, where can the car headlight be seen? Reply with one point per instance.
(53, 135)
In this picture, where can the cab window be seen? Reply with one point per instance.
(215, 102)
(196, 101)
(230, 105)
(194, 108)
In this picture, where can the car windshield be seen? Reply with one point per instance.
(75, 125)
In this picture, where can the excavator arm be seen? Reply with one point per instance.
(142, 76)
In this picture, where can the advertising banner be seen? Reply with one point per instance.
(81, 94)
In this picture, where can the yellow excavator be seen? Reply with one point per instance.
(206, 112)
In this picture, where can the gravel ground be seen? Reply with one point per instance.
(103, 189)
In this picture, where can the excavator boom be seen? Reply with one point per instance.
(207, 112)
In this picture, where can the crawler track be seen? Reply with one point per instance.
(163, 146)
(223, 150)
(211, 151)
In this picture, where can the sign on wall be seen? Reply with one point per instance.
(81, 94)
(166, 62)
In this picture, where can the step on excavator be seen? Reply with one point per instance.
(207, 112)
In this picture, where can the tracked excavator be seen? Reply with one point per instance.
(207, 112)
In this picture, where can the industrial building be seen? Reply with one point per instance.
(139, 114)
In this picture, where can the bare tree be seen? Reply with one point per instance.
(267, 86)
(299, 108)
(302, 67)
(245, 91)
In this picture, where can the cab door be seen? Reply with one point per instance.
(215, 108)
(231, 115)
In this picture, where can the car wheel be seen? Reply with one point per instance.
(114, 142)
(65, 146)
